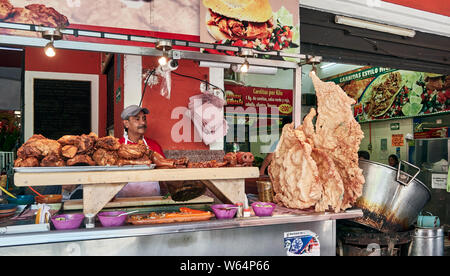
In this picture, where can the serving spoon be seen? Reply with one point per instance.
(123, 214)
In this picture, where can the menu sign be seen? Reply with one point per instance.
(134, 17)
(264, 25)
(384, 93)
(253, 98)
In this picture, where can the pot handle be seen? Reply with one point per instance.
(399, 170)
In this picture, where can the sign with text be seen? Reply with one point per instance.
(397, 140)
(256, 97)
(385, 93)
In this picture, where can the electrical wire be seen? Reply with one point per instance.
(145, 86)
(208, 83)
(178, 74)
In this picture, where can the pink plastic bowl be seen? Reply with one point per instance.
(263, 211)
(221, 211)
(111, 219)
(70, 221)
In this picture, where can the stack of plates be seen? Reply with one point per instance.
(7, 210)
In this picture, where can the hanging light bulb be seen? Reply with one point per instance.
(164, 59)
(245, 66)
(50, 49)
(51, 35)
(245, 52)
(164, 46)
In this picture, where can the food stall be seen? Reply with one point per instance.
(278, 234)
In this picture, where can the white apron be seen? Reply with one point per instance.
(139, 189)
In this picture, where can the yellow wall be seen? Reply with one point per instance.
(381, 130)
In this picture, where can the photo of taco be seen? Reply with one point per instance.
(380, 94)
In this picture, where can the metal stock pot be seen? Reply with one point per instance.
(391, 199)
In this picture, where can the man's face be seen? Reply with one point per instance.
(136, 124)
(391, 162)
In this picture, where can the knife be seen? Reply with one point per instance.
(24, 209)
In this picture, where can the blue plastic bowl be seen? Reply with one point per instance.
(21, 200)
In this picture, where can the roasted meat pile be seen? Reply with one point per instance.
(89, 150)
(36, 14)
(316, 166)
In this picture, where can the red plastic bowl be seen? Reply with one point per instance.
(263, 211)
(67, 221)
(222, 212)
(111, 219)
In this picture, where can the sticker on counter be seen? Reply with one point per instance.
(302, 243)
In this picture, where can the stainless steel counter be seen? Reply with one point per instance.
(243, 236)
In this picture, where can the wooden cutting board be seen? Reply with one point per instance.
(139, 201)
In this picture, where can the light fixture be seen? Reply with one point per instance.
(374, 26)
(51, 35)
(327, 65)
(246, 65)
(165, 46)
(255, 69)
(214, 64)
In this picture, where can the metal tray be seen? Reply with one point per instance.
(82, 168)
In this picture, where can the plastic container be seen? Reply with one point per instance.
(21, 200)
(224, 211)
(48, 199)
(7, 210)
(67, 221)
(263, 209)
(111, 219)
(265, 190)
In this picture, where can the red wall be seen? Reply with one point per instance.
(71, 61)
(159, 120)
(65, 61)
(434, 6)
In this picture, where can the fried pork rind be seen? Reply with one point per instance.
(339, 135)
(293, 171)
(317, 165)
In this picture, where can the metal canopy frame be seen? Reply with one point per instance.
(151, 51)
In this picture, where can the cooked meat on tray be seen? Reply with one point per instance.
(52, 160)
(81, 160)
(38, 146)
(108, 143)
(89, 150)
(103, 157)
(133, 151)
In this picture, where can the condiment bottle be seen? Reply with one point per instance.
(240, 209)
(247, 212)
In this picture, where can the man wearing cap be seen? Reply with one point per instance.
(135, 124)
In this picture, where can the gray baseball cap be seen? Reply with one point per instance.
(132, 110)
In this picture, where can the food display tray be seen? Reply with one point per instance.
(185, 218)
(82, 168)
